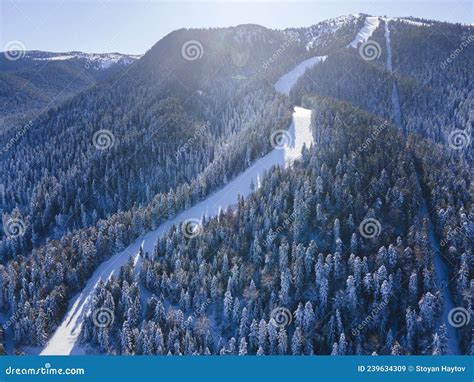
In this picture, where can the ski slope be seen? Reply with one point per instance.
(389, 46)
(412, 22)
(396, 109)
(371, 24)
(65, 339)
(286, 83)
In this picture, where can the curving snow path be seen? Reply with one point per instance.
(65, 339)
(286, 82)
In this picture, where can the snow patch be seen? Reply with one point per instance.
(55, 58)
(396, 109)
(406, 21)
(316, 34)
(286, 82)
(98, 61)
(370, 25)
(389, 46)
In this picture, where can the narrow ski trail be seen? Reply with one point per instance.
(441, 272)
(65, 340)
(286, 82)
(396, 109)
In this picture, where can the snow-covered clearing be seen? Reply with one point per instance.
(389, 46)
(397, 111)
(316, 33)
(412, 22)
(101, 60)
(286, 82)
(65, 340)
(371, 24)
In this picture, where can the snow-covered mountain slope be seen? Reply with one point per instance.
(326, 36)
(317, 35)
(405, 20)
(371, 24)
(411, 22)
(65, 340)
(326, 33)
(38, 80)
(286, 82)
(98, 61)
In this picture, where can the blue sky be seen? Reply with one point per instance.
(133, 26)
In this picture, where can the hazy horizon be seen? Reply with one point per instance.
(134, 27)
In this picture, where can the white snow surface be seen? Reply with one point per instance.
(370, 25)
(389, 46)
(286, 82)
(98, 61)
(317, 33)
(406, 21)
(65, 339)
(396, 109)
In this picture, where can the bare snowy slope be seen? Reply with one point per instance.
(371, 24)
(96, 61)
(286, 82)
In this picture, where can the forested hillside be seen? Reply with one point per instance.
(335, 240)
(33, 81)
(432, 68)
(129, 138)
(363, 246)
